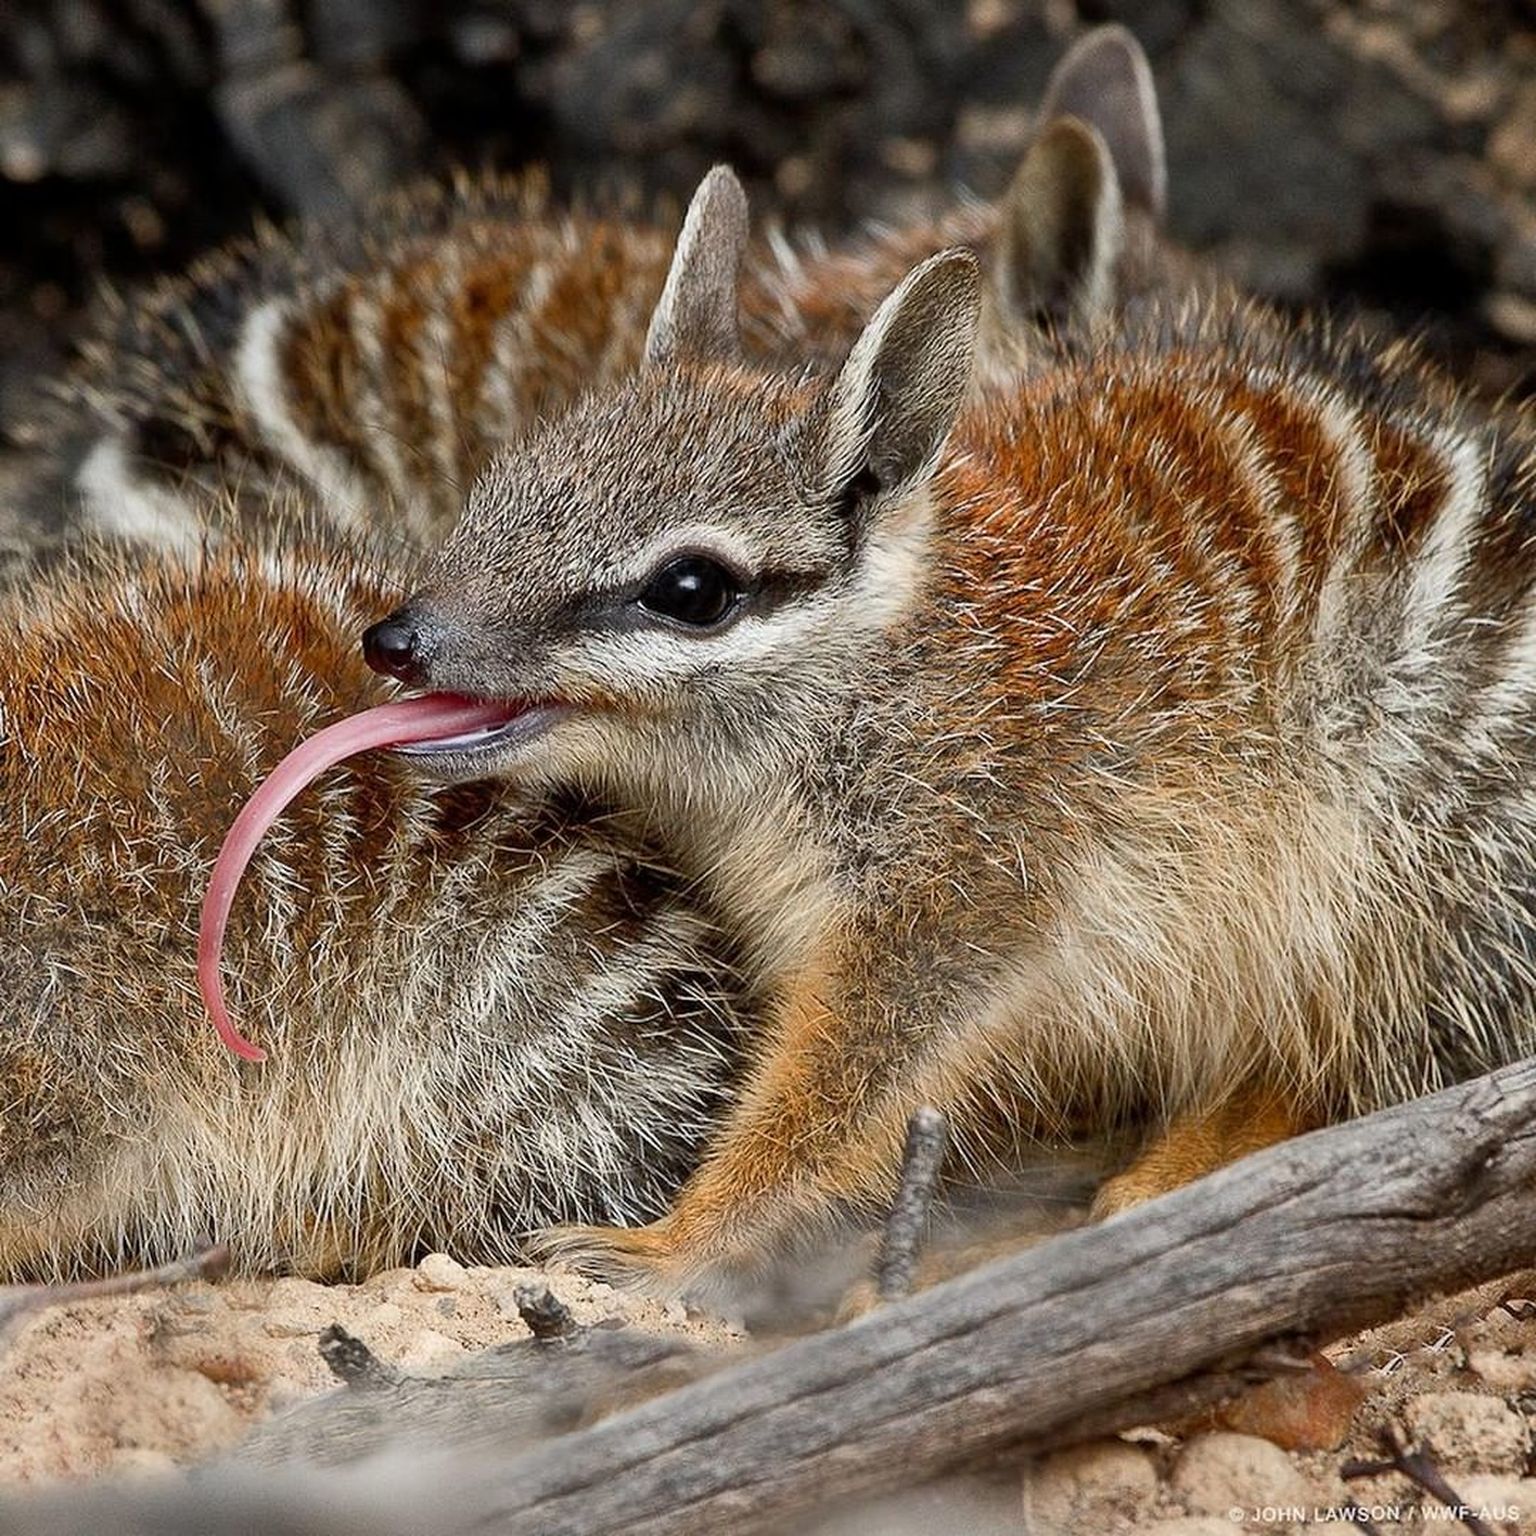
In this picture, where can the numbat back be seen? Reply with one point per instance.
(484, 1018)
(1146, 746)
(381, 366)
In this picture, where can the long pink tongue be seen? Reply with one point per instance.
(387, 725)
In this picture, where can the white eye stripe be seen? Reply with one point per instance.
(659, 655)
(871, 601)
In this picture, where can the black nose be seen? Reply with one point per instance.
(393, 647)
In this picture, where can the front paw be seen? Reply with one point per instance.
(633, 1258)
(1125, 1191)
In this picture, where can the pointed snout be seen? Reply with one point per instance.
(397, 647)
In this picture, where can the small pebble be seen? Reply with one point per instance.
(437, 1272)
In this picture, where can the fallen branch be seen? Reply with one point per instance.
(1154, 1313)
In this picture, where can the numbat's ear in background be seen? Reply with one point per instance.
(697, 315)
(1106, 82)
(1061, 231)
(893, 404)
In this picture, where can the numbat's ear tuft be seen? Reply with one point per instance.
(1061, 230)
(1106, 82)
(697, 314)
(893, 404)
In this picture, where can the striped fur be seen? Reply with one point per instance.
(483, 1016)
(382, 378)
(374, 366)
(379, 365)
(1165, 750)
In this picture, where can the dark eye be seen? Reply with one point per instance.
(691, 589)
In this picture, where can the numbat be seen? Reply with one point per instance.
(381, 367)
(1147, 745)
(483, 1017)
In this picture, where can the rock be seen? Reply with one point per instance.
(1466, 1429)
(1220, 1472)
(437, 1272)
(1302, 1411)
(1088, 1483)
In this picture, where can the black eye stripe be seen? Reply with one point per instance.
(691, 589)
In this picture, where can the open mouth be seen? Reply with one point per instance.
(524, 722)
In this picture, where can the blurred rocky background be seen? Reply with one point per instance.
(1379, 154)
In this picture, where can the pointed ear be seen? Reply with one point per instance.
(1105, 81)
(697, 314)
(893, 404)
(1061, 231)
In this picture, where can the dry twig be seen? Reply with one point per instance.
(547, 1318)
(1420, 1470)
(352, 1362)
(927, 1142)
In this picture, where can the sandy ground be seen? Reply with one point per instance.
(171, 1376)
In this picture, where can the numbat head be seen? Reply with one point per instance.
(1147, 742)
(705, 553)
